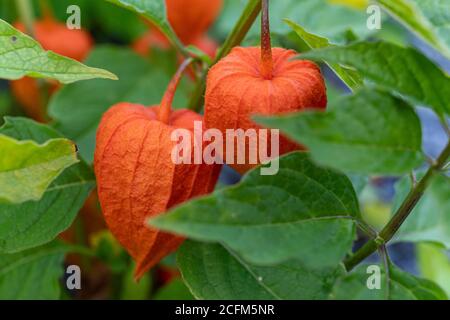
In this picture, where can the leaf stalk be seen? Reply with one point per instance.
(26, 14)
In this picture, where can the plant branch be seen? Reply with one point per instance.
(401, 214)
(236, 36)
(446, 127)
(413, 178)
(266, 45)
(26, 14)
(386, 262)
(446, 167)
(165, 107)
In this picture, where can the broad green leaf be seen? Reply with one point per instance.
(20, 56)
(370, 132)
(212, 272)
(155, 11)
(312, 41)
(78, 108)
(434, 265)
(429, 19)
(34, 223)
(174, 290)
(402, 286)
(303, 212)
(27, 168)
(32, 274)
(402, 70)
(430, 219)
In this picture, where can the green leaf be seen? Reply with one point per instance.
(304, 212)
(430, 219)
(174, 290)
(34, 223)
(33, 274)
(132, 290)
(27, 168)
(402, 70)
(78, 108)
(429, 19)
(315, 15)
(369, 132)
(155, 11)
(20, 56)
(434, 265)
(108, 250)
(402, 286)
(212, 272)
(311, 41)
(6, 104)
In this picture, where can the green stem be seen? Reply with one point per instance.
(165, 108)
(402, 213)
(80, 238)
(236, 36)
(26, 14)
(446, 126)
(266, 45)
(386, 263)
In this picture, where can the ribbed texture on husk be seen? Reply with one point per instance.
(236, 91)
(137, 178)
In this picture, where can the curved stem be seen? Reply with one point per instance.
(266, 45)
(386, 263)
(446, 126)
(173, 38)
(401, 214)
(169, 33)
(165, 107)
(26, 14)
(236, 36)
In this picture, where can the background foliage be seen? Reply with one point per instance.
(288, 236)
